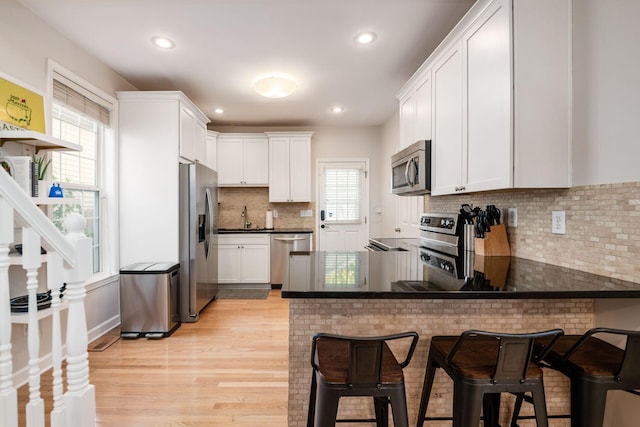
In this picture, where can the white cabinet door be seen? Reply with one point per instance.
(487, 54)
(290, 168)
(278, 170)
(200, 142)
(192, 135)
(187, 140)
(229, 263)
(255, 163)
(300, 170)
(210, 150)
(407, 120)
(415, 111)
(423, 107)
(255, 264)
(230, 161)
(447, 124)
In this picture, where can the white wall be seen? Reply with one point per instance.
(606, 66)
(26, 42)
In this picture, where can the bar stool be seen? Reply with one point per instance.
(357, 366)
(594, 367)
(482, 365)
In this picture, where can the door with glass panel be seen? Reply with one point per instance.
(343, 205)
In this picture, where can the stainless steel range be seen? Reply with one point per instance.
(441, 244)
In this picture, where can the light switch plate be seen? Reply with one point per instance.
(306, 213)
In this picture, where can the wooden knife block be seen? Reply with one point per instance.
(495, 268)
(495, 242)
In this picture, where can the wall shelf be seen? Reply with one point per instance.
(39, 140)
(23, 318)
(55, 200)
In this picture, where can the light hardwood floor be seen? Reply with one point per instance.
(228, 369)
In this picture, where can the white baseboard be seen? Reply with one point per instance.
(103, 328)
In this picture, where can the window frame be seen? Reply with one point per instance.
(106, 169)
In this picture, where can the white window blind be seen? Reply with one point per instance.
(342, 190)
(64, 92)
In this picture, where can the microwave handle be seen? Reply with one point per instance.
(406, 172)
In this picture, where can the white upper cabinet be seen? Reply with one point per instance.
(289, 166)
(447, 155)
(500, 99)
(243, 160)
(487, 52)
(415, 111)
(193, 134)
(211, 149)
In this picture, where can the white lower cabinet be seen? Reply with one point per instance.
(243, 258)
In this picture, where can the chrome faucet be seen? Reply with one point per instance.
(247, 224)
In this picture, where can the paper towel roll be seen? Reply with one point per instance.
(269, 220)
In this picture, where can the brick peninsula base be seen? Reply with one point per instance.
(428, 317)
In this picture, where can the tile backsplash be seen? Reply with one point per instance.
(602, 225)
(256, 199)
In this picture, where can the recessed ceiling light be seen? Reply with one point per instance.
(163, 42)
(275, 86)
(366, 38)
(337, 109)
(218, 111)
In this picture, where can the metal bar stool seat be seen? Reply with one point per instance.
(357, 366)
(594, 366)
(482, 365)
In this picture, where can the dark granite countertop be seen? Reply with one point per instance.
(375, 275)
(265, 230)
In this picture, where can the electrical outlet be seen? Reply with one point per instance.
(512, 217)
(558, 225)
(275, 213)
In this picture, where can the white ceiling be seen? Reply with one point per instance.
(223, 45)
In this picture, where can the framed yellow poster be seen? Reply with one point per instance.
(21, 107)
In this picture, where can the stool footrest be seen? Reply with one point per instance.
(357, 420)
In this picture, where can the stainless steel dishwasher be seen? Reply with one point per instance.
(281, 245)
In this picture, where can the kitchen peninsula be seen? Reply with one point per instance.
(362, 293)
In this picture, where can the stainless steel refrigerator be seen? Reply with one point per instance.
(198, 239)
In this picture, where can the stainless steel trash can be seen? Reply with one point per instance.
(149, 300)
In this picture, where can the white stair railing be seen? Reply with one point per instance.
(69, 261)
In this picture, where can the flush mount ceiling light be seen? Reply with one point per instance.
(366, 38)
(337, 109)
(163, 42)
(218, 111)
(275, 86)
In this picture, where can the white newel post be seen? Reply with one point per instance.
(54, 283)
(31, 262)
(8, 394)
(80, 396)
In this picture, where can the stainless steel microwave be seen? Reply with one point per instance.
(411, 170)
